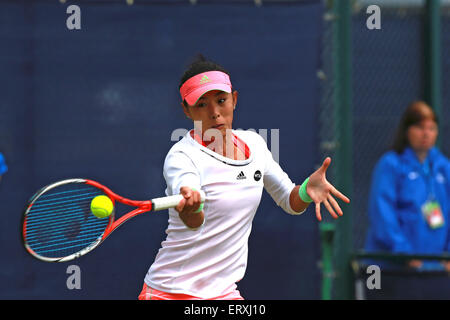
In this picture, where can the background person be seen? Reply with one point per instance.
(3, 166)
(409, 203)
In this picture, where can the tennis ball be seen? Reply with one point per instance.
(101, 206)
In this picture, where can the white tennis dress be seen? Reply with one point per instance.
(208, 262)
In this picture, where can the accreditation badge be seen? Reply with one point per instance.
(433, 214)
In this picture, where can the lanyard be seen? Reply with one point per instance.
(428, 172)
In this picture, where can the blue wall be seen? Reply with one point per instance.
(102, 102)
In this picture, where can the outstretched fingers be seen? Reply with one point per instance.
(325, 164)
(335, 205)
(318, 215)
(338, 194)
(330, 209)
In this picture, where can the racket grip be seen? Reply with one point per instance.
(164, 203)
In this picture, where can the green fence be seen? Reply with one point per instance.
(368, 78)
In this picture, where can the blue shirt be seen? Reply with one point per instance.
(3, 166)
(401, 184)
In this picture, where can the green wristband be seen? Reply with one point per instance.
(200, 209)
(302, 192)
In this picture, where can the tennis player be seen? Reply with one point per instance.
(205, 252)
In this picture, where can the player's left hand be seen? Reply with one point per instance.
(321, 191)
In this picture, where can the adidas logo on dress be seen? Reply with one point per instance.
(241, 176)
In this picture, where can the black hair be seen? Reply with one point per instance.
(416, 112)
(199, 65)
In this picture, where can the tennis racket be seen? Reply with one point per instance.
(58, 224)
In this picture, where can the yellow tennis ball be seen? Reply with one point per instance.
(101, 206)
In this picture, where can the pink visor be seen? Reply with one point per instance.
(198, 85)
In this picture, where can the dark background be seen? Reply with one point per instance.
(102, 102)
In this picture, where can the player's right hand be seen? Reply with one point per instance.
(188, 205)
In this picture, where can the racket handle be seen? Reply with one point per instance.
(164, 203)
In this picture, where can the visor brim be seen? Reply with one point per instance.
(195, 95)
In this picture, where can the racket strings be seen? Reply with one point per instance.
(60, 201)
(53, 216)
(60, 223)
(57, 247)
(36, 233)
